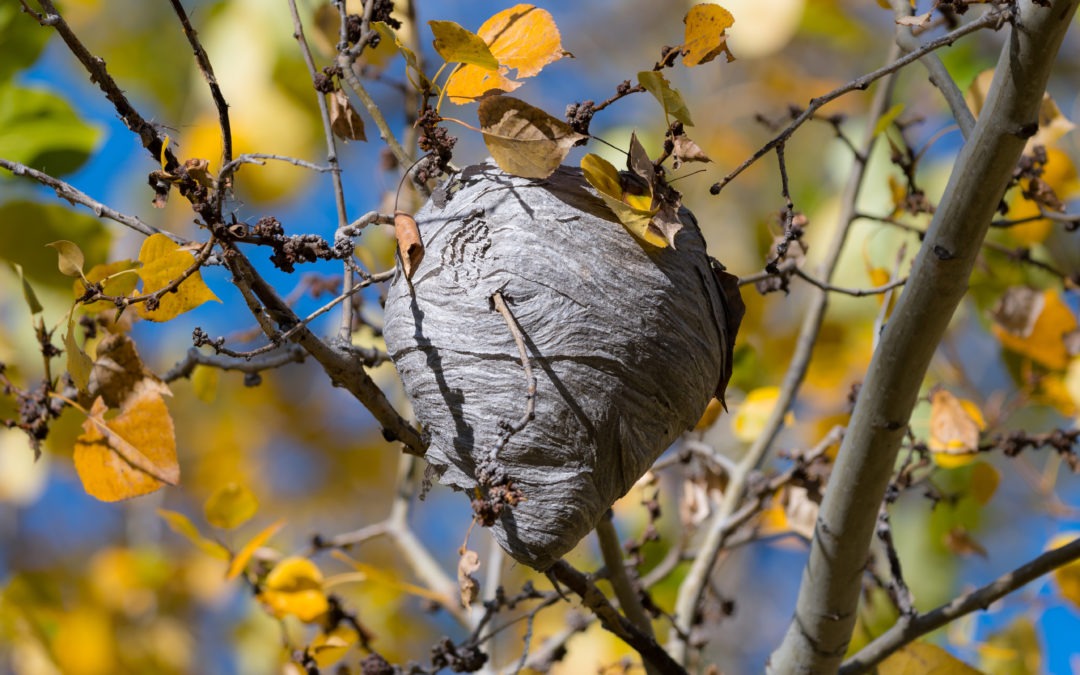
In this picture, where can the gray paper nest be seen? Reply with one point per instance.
(627, 344)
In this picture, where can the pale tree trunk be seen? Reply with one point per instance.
(825, 613)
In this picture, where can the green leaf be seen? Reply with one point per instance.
(26, 228)
(43, 131)
(79, 364)
(70, 257)
(672, 101)
(28, 291)
(21, 39)
(455, 43)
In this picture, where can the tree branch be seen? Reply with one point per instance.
(825, 614)
(907, 630)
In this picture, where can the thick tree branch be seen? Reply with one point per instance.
(825, 613)
(907, 630)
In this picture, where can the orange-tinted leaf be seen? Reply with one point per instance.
(244, 556)
(410, 246)
(923, 658)
(955, 426)
(705, 34)
(180, 524)
(70, 257)
(130, 455)
(524, 140)
(230, 506)
(669, 97)
(523, 37)
(711, 414)
(1034, 324)
(295, 587)
(454, 43)
(163, 262)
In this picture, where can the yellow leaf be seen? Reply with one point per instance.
(984, 482)
(244, 556)
(523, 37)
(670, 98)
(70, 257)
(230, 506)
(923, 658)
(295, 587)
(328, 648)
(164, 262)
(524, 140)
(1033, 324)
(204, 381)
(454, 43)
(1067, 577)
(1052, 124)
(887, 118)
(180, 524)
(955, 425)
(117, 279)
(85, 643)
(1013, 649)
(705, 36)
(1060, 174)
(130, 455)
(711, 414)
(749, 420)
(603, 176)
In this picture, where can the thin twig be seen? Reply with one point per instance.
(259, 159)
(614, 622)
(856, 292)
(186, 366)
(897, 588)
(994, 18)
(73, 195)
(530, 379)
(907, 630)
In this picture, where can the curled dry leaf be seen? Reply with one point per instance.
(131, 454)
(467, 583)
(955, 426)
(524, 140)
(523, 37)
(915, 21)
(410, 247)
(686, 151)
(345, 122)
(705, 34)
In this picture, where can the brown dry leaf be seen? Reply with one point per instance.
(163, 261)
(523, 37)
(705, 34)
(131, 454)
(467, 583)
(245, 554)
(1034, 324)
(410, 247)
(686, 151)
(669, 97)
(524, 140)
(959, 541)
(199, 171)
(915, 21)
(454, 43)
(118, 371)
(345, 122)
(955, 425)
(699, 495)
(923, 658)
(295, 587)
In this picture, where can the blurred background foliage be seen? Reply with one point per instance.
(90, 588)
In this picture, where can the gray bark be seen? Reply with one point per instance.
(825, 613)
(626, 342)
